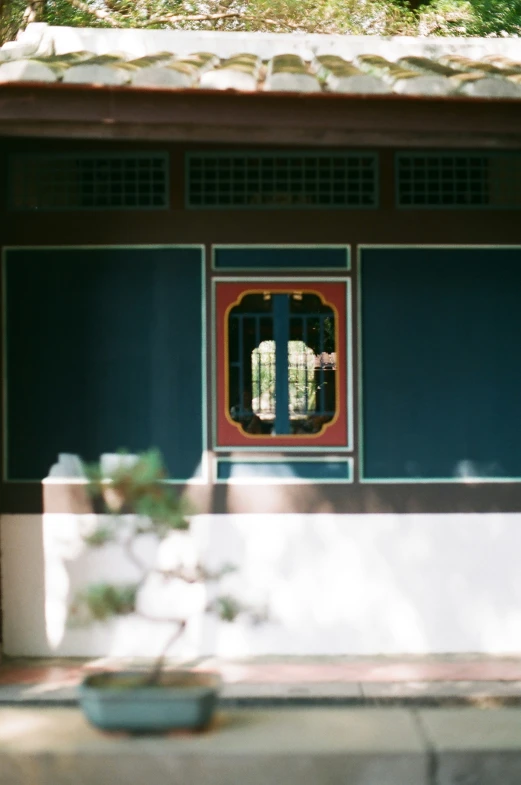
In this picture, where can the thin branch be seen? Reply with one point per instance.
(168, 574)
(159, 619)
(158, 665)
(131, 556)
(178, 573)
(112, 6)
(198, 575)
(181, 573)
(98, 13)
(293, 25)
(172, 18)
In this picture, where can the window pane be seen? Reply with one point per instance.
(303, 371)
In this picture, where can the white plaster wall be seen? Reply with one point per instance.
(335, 584)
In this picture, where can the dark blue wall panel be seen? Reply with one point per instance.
(441, 377)
(103, 352)
(281, 258)
(324, 471)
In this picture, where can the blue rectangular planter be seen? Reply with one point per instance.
(117, 701)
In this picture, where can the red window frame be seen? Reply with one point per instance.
(230, 433)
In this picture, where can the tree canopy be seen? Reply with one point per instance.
(357, 17)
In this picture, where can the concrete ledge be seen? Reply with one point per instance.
(471, 747)
(294, 747)
(260, 747)
(279, 695)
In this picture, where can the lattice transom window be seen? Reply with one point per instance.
(469, 180)
(283, 180)
(88, 181)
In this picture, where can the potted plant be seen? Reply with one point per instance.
(139, 504)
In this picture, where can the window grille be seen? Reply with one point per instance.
(89, 181)
(287, 391)
(282, 180)
(467, 180)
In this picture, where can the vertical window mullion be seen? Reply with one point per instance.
(281, 335)
(321, 375)
(240, 317)
(257, 393)
(305, 340)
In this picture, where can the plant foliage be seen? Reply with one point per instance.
(139, 503)
(101, 601)
(138, 487)
(357, 17)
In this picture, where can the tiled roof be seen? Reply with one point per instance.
(337, 64)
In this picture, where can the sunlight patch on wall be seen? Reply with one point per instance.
(62, 544)
(333, 584)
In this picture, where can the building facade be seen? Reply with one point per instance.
(161, 245)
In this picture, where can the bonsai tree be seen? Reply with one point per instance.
(134, 487)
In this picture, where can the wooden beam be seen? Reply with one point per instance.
(260, 118)
(34, 498)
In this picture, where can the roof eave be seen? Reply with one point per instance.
(305, 119)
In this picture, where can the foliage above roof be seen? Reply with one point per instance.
(355, 17)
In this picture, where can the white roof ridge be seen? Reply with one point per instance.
(140, 42)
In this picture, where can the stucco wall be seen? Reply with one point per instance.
(334, 584)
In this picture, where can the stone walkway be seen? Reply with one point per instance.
(325, 745)
(443, 680)
(366, 721)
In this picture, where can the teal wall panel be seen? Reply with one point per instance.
(440, 372)
(103, 351)
(281, 258)
(285, 470)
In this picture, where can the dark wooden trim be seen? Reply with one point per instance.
(368, 498)
(21, 498)
(322, 119)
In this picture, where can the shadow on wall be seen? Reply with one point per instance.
(24, 626)
(405, 498)
(334, 584)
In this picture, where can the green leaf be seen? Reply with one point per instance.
(100, 536)
(227, 607)
(140, 488)
(101, 601)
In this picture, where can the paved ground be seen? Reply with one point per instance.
(443, 680)
(327, 745)
(367, 720)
